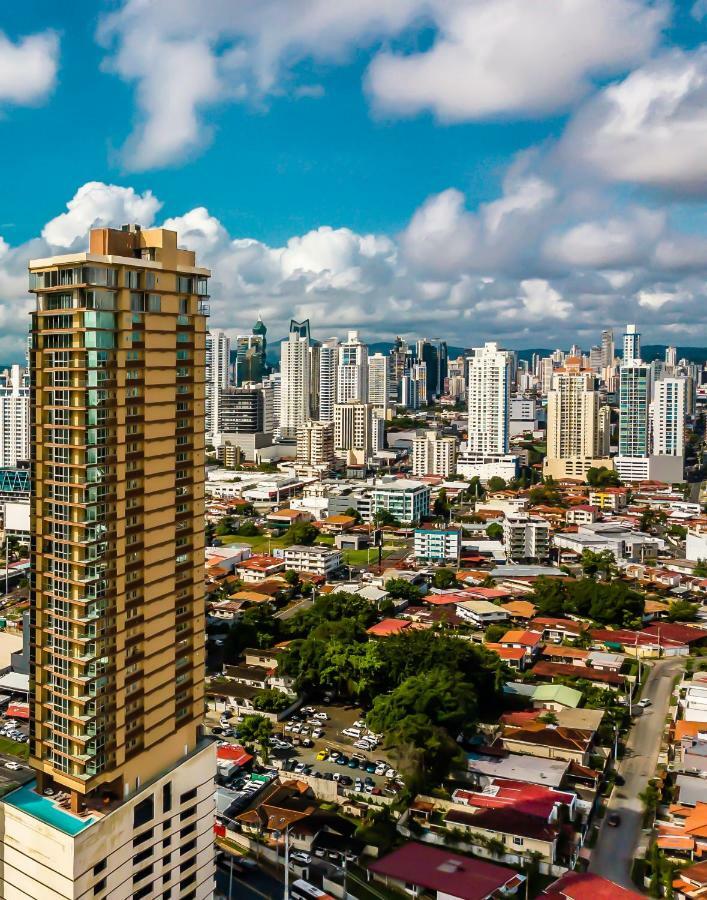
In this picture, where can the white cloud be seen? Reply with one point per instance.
(97, 204)
(442, 235)
(489, 57)
(611, 243)
(541, 300)
(500, 57)
(649, 129)
(28, 68)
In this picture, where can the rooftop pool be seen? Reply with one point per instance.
(42, 808)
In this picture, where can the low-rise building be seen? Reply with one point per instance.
(526, 538)
(480, 612)
(438, 545)
(407, 500)
(316, 560)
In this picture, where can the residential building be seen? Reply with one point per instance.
(526, 538)
(218, 360)
(408, 501)
(631, 346)
(400, 361)
(608, 349)
(315, 444)
(358, 432)
(523, 416)
(315, 560)
(328, 367)
(295, 388)
(488, 391)
(246, 410)
(437, 545)
(488, 465)
(118, 580)
(379, 383)
(433, 454)
(352, 374)
(480, 613)
(668, 411)
(14, 417)
(576, 440)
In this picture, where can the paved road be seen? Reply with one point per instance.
(615, 849)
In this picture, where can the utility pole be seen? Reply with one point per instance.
(287, 863)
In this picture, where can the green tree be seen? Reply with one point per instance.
(476, 489)
(601, 477)
(441, 507)
(226, 525)
(601, 563)
(494, 633)
(496, 483)
(545, 494)
(256, 731)
(354, 513)
(444, 578)
(271, 701)
(257, 628)
(682, 611)
(302, 533)
(495, 532)
(248, 529)
(400, 589)
(385, 517)
(700, 569)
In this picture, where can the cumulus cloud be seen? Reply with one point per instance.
(453, 271)
(28, 68)
(497, 57)
(489, 57)
(649, 129)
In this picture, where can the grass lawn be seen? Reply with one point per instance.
(258, 544)
(13, 748)
(361, 557)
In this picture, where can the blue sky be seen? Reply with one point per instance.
(417, 166)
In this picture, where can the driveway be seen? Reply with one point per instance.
(613, 855)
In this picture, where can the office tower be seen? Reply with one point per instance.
(328, 366)
(418, 373)
(608, 349)
(632, 346)
(400, 362)
(352, 374)
(671, 357)
(488, 392)
(434, 355)
(117, 650)
(315, 444)
(433, 454)
(575, 424)
(668, 411)
(14, 417)
(218, 355)
(408, 392)
(596, 359)
(314, 359)
(546, 370)
(357, 432)
(246, 410)
(378, 383)
(251, 363)
(295, 382)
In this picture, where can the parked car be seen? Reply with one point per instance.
(644, 703)
(613, 820)
(301, 856)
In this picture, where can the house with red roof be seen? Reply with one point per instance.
(418, 869)
(387, 627)
(558, 630)
(587, 886)
(530, 642)
(527, 799)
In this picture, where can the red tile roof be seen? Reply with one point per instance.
(519, 796)
(388, 626)
(587, 886)
(441, 870)
(557, 670)
(233, 753)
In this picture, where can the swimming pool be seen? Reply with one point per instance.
(42, 808)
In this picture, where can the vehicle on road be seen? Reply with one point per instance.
(644, 703)
(301, 856)
(613, 820)
(13, 766)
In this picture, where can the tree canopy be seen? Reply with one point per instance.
(302, 533)
(600, 477)
(444, 578)
(608, 603)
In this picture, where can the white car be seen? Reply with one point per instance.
(317, 733)
(362, 744)
(300, 856)
(322, 716)
(381, 769)
(390, 773)
(644, 703)
(359, 724)
(299, 768)
(352, 732)
(13, 766)
(337, 776)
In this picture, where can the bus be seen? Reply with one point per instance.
(303, 890)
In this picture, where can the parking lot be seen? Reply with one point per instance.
(312, 743)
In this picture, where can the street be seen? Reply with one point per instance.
(613, 855)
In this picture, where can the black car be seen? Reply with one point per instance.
(613, 820)
(345, 780)
(619, 780)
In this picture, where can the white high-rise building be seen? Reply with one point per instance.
(632, 346)
(419, 376)
(433, 454)
(295, 386)
(488, 391)
(315, 444)
(378, 382)
(272, 385)
(328, 367)
(218, 359)
(668, 411)
(671, 357)
(14, 416)
(576, 440)
(352, 376)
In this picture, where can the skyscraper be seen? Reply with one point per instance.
(14, 417)
(218, 357)
(434, 355)
(632, 346)
(575, 436)
(251, 363)
(379, 383)
(608, 349)
(488, 391)
(117, 650)
(671, 357)
(295, 381)
(400, 362)
(357, 432)
(352, 374)
(634, 399)
(328, 367)
(668, 410)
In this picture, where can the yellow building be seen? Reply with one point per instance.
(117, 684)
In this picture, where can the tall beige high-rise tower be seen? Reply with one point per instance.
(117, 655)
(577, 426)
